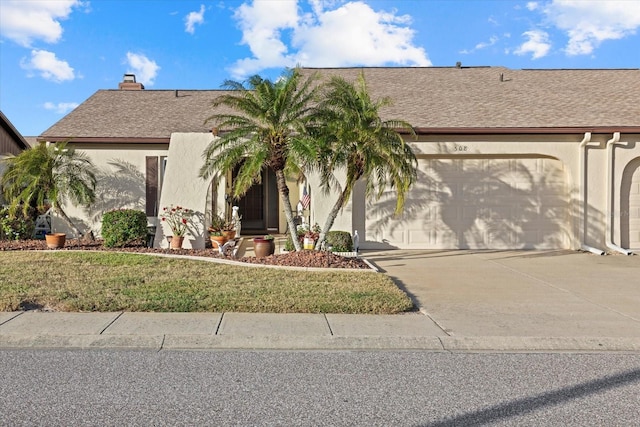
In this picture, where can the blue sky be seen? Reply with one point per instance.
(54, 54)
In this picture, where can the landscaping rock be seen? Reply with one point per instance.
(293, 259)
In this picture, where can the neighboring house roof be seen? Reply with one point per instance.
(32, 141)
(433, 100)
(10, 140)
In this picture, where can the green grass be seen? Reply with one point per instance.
(104, 281)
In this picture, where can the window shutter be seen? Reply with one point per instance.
(151, 185)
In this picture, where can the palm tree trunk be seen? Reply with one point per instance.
(331, 218)
(66, 219)
(281, 182)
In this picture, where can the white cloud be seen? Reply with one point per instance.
(532, 5)
(352, 34)
(538, 44)
(492, 40)
(261, 25)
(61, 107)
(25, 21)
(588, 23)
(482, 45)
(192, 19)
(145, 69)
(49, 67)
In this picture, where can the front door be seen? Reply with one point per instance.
(259, 206)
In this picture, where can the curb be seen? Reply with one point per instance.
(328, 343)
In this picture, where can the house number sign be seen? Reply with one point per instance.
(460, 148)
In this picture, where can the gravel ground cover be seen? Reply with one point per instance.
(292, 259)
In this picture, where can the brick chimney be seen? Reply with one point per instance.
(129, 83)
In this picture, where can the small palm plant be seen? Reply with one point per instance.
(49, 174)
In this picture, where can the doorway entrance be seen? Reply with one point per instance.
(259, 206)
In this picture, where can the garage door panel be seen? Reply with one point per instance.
(482, 204)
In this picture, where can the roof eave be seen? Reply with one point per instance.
(523, 130)
(17, 136)
(104, 140)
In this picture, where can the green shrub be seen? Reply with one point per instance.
(15, 226)
(340, 241)
(124, 227)
(288, 244)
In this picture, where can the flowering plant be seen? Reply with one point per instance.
(310, 233)
(178, 218)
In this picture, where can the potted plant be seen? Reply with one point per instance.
(179, 220)
(216, 223)
(217, 238)
(264, 246)
(310, 237)
(229, 230)
(218, 230)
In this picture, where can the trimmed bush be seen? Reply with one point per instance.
(124, 227)
(15, 226)
(340, 241)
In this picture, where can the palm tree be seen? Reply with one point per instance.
(267, 129)
(49, 174)
(357, 140)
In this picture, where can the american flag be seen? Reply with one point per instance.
(306, 198)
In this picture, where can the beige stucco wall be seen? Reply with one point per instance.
(184, 187)
(322, 203)
(565, 148)
(120, 182)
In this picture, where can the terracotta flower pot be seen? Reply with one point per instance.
(263, 248)
(217, 241)
(55, 240)
(229, 234)
(176, 242)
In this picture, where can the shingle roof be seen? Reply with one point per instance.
(428, 98)
(137, 114)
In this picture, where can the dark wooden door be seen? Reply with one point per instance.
(259, 206)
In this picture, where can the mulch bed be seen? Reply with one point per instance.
(292, 259)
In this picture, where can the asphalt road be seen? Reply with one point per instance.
(143, 388)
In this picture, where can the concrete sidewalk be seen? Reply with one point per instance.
(200, 331)
(469, 301)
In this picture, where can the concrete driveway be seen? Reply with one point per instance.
(520, 293)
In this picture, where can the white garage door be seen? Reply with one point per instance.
(479, 203)
(634, 210)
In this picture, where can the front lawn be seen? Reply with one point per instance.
(107, 281)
